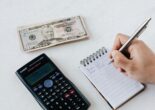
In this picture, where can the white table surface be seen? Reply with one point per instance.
(104, 19)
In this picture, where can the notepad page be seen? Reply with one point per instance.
(113, 85)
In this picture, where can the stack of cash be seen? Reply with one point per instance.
(49, 34)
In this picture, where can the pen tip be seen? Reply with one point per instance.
(149, 19)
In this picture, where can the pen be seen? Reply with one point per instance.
(136, 34)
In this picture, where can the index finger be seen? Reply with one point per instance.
(119, 41)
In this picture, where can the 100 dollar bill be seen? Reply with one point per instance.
(49, 34)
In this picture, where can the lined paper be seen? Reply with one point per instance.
(113, 85)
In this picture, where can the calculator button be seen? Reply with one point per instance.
(57, 103)
(57, 90)
(59, 84)
(51, 107)
(56, 81)
(40, 86)
(39, 93)
(57, 73)
(70, 99)
(64, 90)
(75, 96)
(77, 107)
(62, 87)
(45, 100)
(42, 96)
(72, 91)
(35, 89)
(47, 103)
(67, 95)
(74, 103)
(60, 107)
(53, 93)
(83, 104)
(62, 99)
(53, 77)
(54, 87)
(48, 83)
(63, 81)
(44, 90)
(60, 78)
(46, 93)
(49, 96)
(66, 84)
(69, 108)
(56, 97)
(78, 99)
(65, 103)
(69, 87)
(52, 100)
(60, 93)
(51, 90)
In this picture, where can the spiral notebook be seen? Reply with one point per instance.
(115, 87)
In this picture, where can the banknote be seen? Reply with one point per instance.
(53, 33)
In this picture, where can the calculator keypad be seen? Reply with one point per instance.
(58, 94)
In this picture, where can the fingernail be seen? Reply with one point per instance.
(113, 53)
(119, 69)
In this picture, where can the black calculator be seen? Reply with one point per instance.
(51, 89)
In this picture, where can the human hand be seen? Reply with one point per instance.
(140, 65)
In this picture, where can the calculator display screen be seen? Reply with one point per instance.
(40, 73)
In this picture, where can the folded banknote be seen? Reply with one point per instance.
(39, 36)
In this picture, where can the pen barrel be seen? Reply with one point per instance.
(126, 53)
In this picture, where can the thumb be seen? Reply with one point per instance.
(120, 60)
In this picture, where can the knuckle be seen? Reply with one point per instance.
(130, 48)
(139, 42)
(118, 59)
(119, 35)
(135, 41)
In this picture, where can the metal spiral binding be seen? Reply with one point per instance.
(93, 56)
